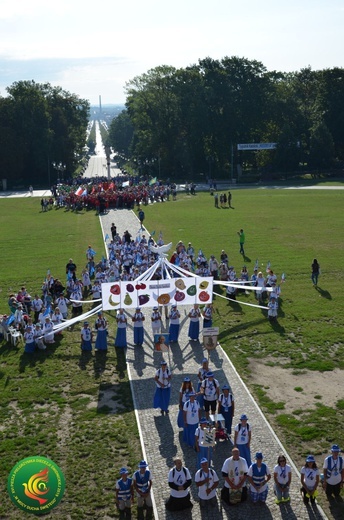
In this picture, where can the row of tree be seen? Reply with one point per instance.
(185, 121)
(40, 125)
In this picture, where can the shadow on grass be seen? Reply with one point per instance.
(239, 328)
(323, 293)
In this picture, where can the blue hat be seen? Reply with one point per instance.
(205, 360)
(187, 379)
(123, 471)
(163, 362)
(225, 387)
(203, 420)
(310, 458)
(192, 394)
(143, 464)
(259, 455)
(204, 460)
(335, 447)
(243, 417)
(85, 322)
(209, 374)
(99, 313)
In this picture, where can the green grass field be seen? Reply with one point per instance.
(47, 402)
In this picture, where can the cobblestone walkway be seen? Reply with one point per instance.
(161, 438)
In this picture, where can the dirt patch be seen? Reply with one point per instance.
(280, 383)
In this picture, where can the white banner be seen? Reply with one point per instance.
(257, 146)
(148, 293)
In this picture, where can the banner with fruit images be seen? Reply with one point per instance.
(148, 293)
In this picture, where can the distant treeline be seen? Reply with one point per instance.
(40, 125)
(180, 122)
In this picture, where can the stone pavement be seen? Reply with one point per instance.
(161, 438)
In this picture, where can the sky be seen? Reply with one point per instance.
(93, 48)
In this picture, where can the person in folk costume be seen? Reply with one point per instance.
(163, 388)
(86, 282)
(210, 389)
(138, 320)
(184, 394)
(174, 323)
(208, 316)
(234, 471)
(38, 335)
(202, 451)
(101, 326)
(29, 340)
(310, 478)
(282, 478)
(90, 253)
(333, 473)
(226, 407)
(96, 290)
(37, 305)
(19, 321)
(194, 316)
(57, 318)
(86, 337)
(76, 304)
(179, 480)
(202, 374)
(242, 438)
(48, 330)
(124, 494)
(259, 476)
(62, 303)
(191, 416)
(156, 321)
(121, 334)
(273, 309)
(142, 479)
(207, 481)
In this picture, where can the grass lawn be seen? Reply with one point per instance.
(54, 404)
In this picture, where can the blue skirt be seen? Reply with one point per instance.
(207, 324)
(180, 419)
(162, 398)
(30, 347)
(204, 452)
(101, 341)
(189, 434)
(193, 330)
(245, 453)
(86, 345)
(174, 332)
(121, 338)
(138, 335)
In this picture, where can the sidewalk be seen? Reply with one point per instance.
(161, 438)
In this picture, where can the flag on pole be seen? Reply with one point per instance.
(152, 181)
(79, 192)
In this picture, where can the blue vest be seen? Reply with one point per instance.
(258, 477)
(142, 481)
(124, 492)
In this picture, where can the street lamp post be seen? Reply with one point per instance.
(60, 168)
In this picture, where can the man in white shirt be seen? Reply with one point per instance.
(333, 472)
(234, 471)
(207, 481)
(179, 480)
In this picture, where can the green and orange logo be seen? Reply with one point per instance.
(36, 485)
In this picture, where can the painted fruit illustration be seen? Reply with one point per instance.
(164, 299)
(127, 299)
(143, 299)
(204, 296)
(111, 302)
(140, 286)
(115, 289)
(130, 287)
(180, 284)
(192, 290)
(204, 284)
(179, 296)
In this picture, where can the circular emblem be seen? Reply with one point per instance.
(36, 485)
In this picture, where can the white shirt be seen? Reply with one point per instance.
(336, 473)
(179, 478)
(250, 474)
(235, 469)
(192, 411)
(202, 490)
(310, 476)
(282, 473)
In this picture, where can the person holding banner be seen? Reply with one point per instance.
(163, 388)
(138, 320)
(194, 316)
(174, 324)
(121, 335)
(207, 481)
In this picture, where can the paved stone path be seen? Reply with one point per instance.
(161, 438)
